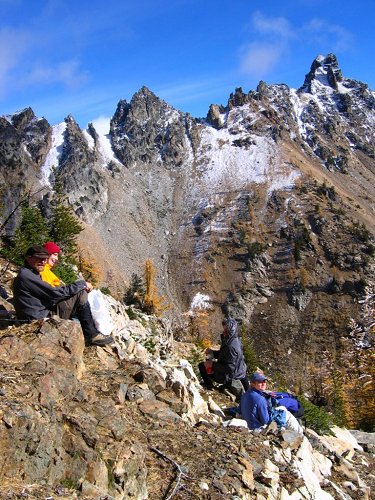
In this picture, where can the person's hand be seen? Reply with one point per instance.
(89, 287)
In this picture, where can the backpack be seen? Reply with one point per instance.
(279, 416)
(286, 399)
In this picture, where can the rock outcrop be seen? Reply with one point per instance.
(119, 422)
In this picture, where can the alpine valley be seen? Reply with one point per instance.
(263, 210)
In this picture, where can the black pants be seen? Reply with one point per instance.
(78, 306)
(208, 379)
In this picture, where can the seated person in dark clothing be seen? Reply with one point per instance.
(36, 299)
(228, 362)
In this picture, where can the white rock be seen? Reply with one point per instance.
(337, 446)
(284, 495)
(204, 486)
(307, 468)
(282, 456)
(323, 463)
(269, 466)
(347, 436)
(350, 485)
(235, 422)
(188, 370)
(141, 353)
(339, 493)
(187, 391)
(158, 368)
(215, 408)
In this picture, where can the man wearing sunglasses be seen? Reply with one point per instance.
(36, 299)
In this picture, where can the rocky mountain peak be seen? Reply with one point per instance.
(143, 129)
(325, 70)
(34, 134)
(144, 106)
(238, 98)
(23, 118)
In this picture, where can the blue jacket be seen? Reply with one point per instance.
(254, 409)
(230, 363)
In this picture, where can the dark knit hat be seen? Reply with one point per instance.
(37, 251)
(51, 247)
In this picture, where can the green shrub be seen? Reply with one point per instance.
(316, 417)
(360, 232)
(196, 356)
(370, 250)
(249, 353)
(65, 272)
(132, 313)
(150, 345)
(254, 249)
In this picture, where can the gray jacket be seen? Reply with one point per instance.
(36, 299)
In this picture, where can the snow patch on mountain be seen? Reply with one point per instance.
(226, 165)
(53, 155)
(102, 126)
(200, 301)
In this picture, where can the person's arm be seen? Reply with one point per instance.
(212, 354)
(262, 411)
(227, 361)
(44, 291)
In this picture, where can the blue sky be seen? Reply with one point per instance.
(82, 57)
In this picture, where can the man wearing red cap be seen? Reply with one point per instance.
(36, 299)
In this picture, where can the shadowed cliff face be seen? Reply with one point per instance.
(266, 208)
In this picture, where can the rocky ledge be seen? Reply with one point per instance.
(120, 422)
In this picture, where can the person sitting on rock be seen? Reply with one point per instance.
(100, 313)
(255, 409)
(35, 299)
(228, 363)
(53, 257)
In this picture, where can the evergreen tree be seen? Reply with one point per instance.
(135, 294)
(64, 224)
(31, 231)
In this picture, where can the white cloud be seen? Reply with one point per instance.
(258, 59)
(66, 72)
(275, 36)
(276, 26)
(326, 34)
(13, 44)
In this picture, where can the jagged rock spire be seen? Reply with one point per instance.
(324, 69)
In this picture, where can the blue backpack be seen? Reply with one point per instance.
(286, 399)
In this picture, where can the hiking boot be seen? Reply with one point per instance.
(101, 340)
